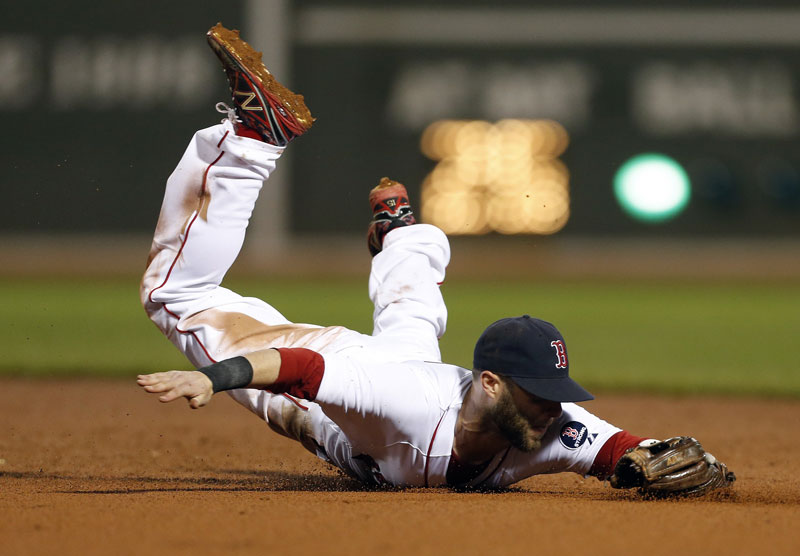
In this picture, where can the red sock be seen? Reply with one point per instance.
(243, 131)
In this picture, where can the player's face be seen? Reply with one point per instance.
(523, 418)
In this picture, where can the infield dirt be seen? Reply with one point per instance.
(99, 467)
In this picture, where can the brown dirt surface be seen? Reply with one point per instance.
(100, 467)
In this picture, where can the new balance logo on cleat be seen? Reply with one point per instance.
(273, 112)
(245, 105)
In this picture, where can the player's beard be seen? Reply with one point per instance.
(512, 424)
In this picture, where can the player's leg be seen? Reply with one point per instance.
(207, 206)
(306, 423)
(284, 414)
(407, 269)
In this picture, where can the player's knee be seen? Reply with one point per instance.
(150, 296)
(144, 292)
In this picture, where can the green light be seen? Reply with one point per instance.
(652, 187)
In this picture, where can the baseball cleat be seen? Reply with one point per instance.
(390, 210)
(262, 104)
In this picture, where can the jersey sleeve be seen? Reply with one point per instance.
(379, 405)
(572, 443)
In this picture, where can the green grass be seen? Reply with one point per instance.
(677, 338)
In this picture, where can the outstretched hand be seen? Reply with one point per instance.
(192, 385)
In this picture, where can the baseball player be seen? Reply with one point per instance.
(381, 407)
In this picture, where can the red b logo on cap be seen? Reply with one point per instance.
(561, 354)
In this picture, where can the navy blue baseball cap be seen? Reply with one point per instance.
(533, 354)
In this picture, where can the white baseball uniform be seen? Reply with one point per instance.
(386, 408)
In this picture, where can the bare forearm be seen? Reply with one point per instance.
(266, 365)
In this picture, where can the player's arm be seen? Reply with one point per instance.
(296, 371)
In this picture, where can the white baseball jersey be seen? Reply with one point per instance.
(403, 416)
(386, 408)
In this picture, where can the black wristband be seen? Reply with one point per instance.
(229, 374)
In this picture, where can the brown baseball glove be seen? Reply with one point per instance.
(676, 466)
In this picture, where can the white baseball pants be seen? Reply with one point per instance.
(206, 209)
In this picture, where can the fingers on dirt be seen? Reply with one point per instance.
(173, 394)
(150, 378)
(158, 387)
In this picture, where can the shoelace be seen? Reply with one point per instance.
(229, 112)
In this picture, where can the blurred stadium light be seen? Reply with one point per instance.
(502, 177)
(652, 187)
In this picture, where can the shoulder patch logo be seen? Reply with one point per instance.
(573, 435)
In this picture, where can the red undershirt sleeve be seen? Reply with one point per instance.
(610, 453)
(300, 374)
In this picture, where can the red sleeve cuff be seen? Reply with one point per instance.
(609, 454)
(300, 374)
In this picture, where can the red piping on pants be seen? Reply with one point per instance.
(177, 256)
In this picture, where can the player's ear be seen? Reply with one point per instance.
(490, 383)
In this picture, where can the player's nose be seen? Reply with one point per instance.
(553, 409)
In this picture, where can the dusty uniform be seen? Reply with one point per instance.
(386, 408)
